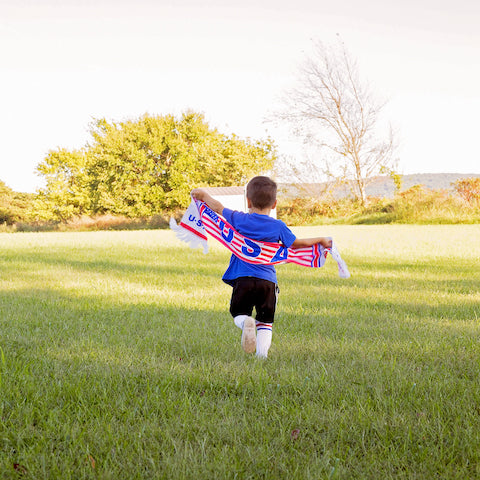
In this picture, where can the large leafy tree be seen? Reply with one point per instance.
(144, 166)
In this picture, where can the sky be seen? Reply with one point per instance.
(66, 62)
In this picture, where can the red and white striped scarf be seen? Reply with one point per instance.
(199, 220)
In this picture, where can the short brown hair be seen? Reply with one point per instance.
(262, 192)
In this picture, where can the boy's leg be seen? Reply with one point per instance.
(239, 320)
(264, 338)
(241, 307)
(265, 307)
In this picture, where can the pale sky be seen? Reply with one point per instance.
(64, 62)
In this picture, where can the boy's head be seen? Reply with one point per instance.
(262, 192)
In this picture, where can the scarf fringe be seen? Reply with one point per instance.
(192, 240)
(342, 266)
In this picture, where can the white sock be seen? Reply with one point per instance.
(239, 320)
(264, 339)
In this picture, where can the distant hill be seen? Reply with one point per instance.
(381, 186)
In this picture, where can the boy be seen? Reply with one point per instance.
(256, 285)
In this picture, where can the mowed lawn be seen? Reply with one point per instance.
(119, 360)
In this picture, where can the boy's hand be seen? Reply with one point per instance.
(198, 194)
(203, 196)
(325, 242)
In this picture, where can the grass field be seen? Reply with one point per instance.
(118, 360)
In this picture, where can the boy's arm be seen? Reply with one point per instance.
(325, 242)
(202, 195)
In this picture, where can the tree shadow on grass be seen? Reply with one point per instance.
(167, 261)
(393, 290)
(52, 318)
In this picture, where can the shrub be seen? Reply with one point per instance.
(307, 210)
(417, 204)
(468, 189)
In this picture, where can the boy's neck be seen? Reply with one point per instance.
(260, 211)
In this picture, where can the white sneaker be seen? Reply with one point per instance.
(249, 340)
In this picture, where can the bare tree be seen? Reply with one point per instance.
(331, 108)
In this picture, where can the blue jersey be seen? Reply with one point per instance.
(257, 227)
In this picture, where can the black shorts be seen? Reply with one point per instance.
(249, 292)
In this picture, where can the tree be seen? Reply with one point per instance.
(331, 108)
(65, 193)
(148, 165)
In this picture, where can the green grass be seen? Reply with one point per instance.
(119, 360)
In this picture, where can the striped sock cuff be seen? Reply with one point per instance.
(263, 326)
